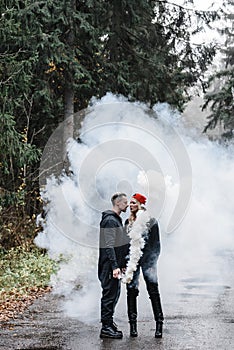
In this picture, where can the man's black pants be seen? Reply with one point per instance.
(110, 295)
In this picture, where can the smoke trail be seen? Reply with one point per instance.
(126, 147)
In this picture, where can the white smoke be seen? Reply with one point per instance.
(127, 148)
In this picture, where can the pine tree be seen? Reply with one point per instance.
(221, 97)
(148, 53)
(56, 54)
(47, 63)
(17, 58)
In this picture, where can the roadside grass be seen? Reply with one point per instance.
(24, 276)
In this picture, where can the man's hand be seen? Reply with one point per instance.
(116, 273)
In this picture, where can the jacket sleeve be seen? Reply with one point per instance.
(109, 235)
(155, 239)
(127, 246)
(152, 248)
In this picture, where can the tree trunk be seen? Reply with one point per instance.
(69, 88)
(68, 120)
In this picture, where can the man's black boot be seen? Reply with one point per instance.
(159, 327)
(115, 327)
(133, 329)
(110, 331)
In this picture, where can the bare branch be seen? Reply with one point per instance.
(13, 54)
(36, 133)
(6, 81)
(185, 8)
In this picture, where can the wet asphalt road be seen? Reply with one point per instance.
(198, 316)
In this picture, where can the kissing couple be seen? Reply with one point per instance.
(124, 250)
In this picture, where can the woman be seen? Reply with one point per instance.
(144, 251)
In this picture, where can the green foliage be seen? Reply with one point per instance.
(22, 269)
(56, 52)
(17, 158)
(220, 98)
(16, 228)
(221, 102)
(148, 53)
(140, 49)
(15, 151)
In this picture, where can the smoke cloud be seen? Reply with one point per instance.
(126, 147)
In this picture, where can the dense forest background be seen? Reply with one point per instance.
(57, 54)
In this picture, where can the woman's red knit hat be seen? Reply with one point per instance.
(140, 198)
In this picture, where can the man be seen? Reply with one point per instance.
(112, 252)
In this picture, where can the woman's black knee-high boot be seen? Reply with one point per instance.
(158, 314)
(159, 326)
(132, 310)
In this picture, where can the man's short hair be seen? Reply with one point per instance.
(117, 196)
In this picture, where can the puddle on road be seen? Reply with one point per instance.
(42, 348)
(229, 321)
